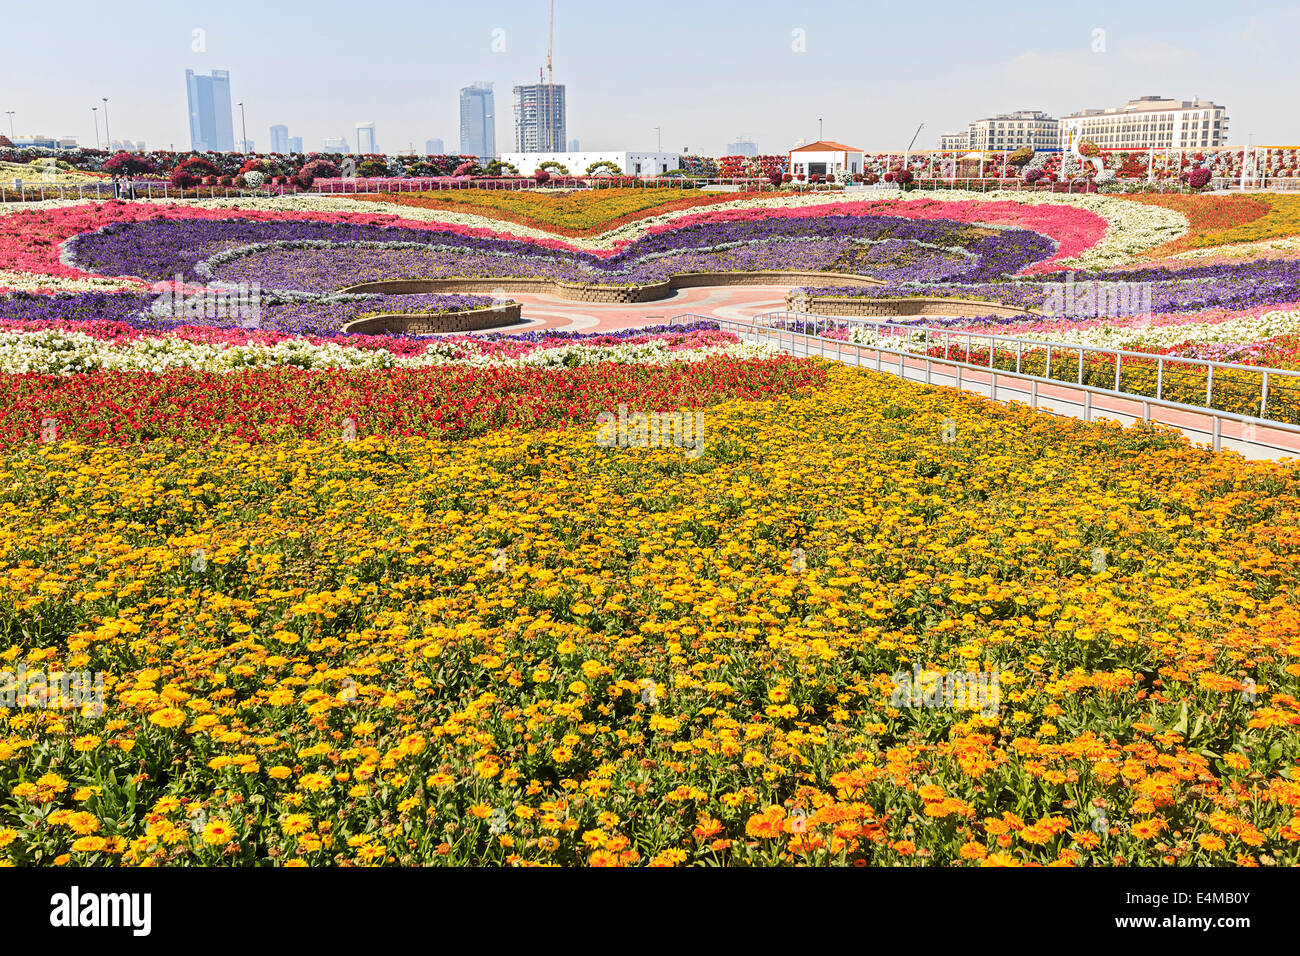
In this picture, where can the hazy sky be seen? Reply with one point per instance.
(708, 72)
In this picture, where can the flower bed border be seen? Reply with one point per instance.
(417, 323)
(591, 292)
(921, 305)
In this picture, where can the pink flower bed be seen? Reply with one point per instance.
(31, 241)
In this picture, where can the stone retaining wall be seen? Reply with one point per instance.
(591, 292)
(884, 308)
(471, 320)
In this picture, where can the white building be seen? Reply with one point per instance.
(1150, 122)
(628, 162)
(1008, 131)
(824, 156)
(954, 141)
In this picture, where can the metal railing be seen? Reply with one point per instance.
(807, 340)
(1260, 392)
(139, 189)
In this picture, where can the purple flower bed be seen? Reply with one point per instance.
(1229, 286)
(319, 316)
(894, 249)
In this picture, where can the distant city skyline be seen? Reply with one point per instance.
(772, 73)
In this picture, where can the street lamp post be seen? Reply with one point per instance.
(659, 139)
(10, 114)
(94, 115)
(907, 151)
(108, 142)
(243, 126)
(819, 129)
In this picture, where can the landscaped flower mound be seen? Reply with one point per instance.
(528, 648)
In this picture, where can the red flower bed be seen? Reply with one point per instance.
(1206, 215)
(285, 403)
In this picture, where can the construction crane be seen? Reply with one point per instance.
(550, 83)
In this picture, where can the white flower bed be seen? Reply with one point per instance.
(1136, 336)
(67, 353)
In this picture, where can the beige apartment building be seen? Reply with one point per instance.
(1150, 122)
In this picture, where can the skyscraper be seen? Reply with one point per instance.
(295, 144)
(478, 133)
(744, 147)
(212, 125)
(366, 139)
(574, 146)
(434, 147)
(539, 118)
(279, 139)
(334, 144)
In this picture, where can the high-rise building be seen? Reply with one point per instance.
(366, 139)
(1008, 131)
(335, 144)
(1150, 122)
(295, 144)
(212, 127)
(744, 147)
(539, 118)
(434, 147)
(478, 123)
(574, 146)
(279, 139)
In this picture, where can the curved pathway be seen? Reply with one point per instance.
(564, 315)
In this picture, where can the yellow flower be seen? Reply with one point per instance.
(217, 833)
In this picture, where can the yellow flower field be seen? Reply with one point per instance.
(528, 648)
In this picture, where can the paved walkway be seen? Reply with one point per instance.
(564, 315)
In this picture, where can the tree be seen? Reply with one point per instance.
(555, 165)
(371, 168)
(500, 167)
(609, 166)
(125, 164)
(317, 169)
(192, 171)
